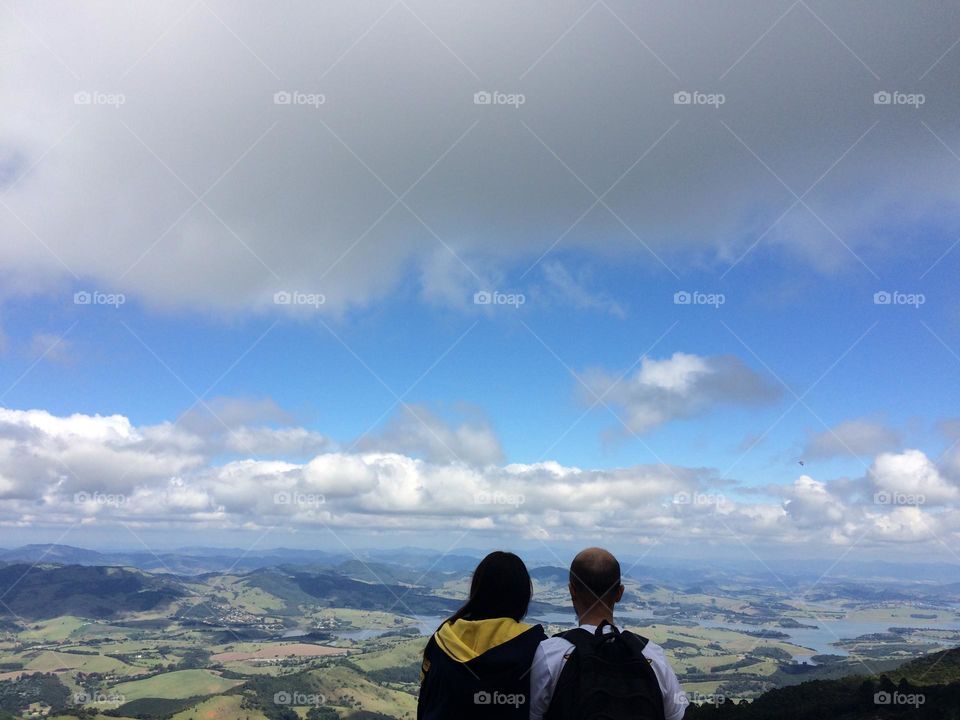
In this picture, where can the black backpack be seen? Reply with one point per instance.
(606, 677)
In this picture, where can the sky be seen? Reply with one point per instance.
(674, 278)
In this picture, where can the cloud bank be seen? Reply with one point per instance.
(209, 155)
(83, 470)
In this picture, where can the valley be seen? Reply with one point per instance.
(342, 637)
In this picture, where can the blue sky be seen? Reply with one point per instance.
(500, 367)
(380, 183)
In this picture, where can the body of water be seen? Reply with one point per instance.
(828, 631)
(819, 640)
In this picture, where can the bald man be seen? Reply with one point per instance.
(597, 669)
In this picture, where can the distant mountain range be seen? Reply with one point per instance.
(430, 568)
(59, 582)
(198, 560)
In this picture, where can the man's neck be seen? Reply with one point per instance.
(596, 617)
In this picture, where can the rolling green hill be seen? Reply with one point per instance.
(329, 589)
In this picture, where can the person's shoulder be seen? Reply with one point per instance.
(653, 652)
(538, 631)
(554, 647)
(651, 649)
(555, 641)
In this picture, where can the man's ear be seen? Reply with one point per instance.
(573, 593)
(619, 594)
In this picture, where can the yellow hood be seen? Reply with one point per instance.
(465, 640)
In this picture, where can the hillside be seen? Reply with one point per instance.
(939, 667)
(927, 688)
(41, 592)
(331, 589)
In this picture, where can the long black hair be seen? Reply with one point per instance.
(500, 588)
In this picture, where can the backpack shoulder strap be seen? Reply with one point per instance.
(577, 637)
(637, 642)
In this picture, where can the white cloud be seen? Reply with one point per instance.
(295, 441)
(102, 470)
(811, 505)
(418, 431)
(852, 437)
(679, 387)
(912, 473)
(904, 524)
(250, 427)
(111, 188)
(51, 348)
(215, 414)
(565, 289)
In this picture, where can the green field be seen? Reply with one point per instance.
(54, 630)
(397, 654)
(178, 684)
(224, 707)
(51, 661)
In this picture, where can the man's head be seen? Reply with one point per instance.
(595, 583)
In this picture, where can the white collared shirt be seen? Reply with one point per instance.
(552, 653)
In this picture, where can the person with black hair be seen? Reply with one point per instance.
(597, 670)
(477, 664)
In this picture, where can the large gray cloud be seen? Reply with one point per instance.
(305, 197)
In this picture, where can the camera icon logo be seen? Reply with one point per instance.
(882, 97)
(882, 698)
(282, 98)
(82, 298)
(682, 297)
(282, 297)
(682, 98)
(482, 698)
(482, 297)
(882, 297)
(482, 98)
